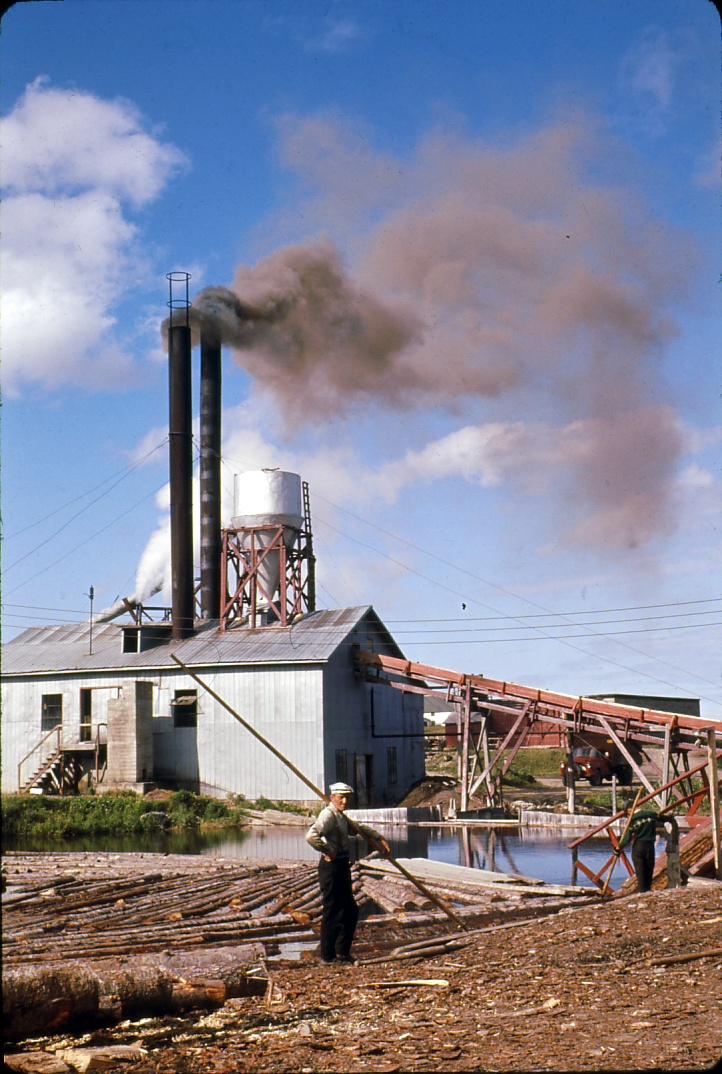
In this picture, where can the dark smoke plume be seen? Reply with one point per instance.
(306, 332)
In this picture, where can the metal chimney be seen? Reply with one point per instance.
(180, 437)
(210, 480)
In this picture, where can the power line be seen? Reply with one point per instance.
(42, 608)
(123, 514)
(57, 510)
(547, 626)
(533, 603)
(564, 641)
(47, 619)
(82, 511)
(559, 637)
(583, 611)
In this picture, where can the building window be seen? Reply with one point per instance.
(392, 770)
(86, 715)
(51, 711)
(185, 708)
(341, 766)
(130, 639)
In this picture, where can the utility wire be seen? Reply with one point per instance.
(559, 637)
(123, 514)
(478, 578)
(57, 510)
(564, 641)
(583, 611)
(552, 626)
(82, 510)
(469, 619)
(42, 608)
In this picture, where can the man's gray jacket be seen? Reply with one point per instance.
(329, 833)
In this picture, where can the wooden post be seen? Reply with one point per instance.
(664, 796)
(614, 795)
(571, 780)
(484, 736)
(466, 726)
(714, 801)
(674, 871)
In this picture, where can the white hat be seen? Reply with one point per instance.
(341, 788)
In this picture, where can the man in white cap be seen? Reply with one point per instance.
(330, 835)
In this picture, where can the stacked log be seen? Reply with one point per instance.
(122, 934)
(44, 998)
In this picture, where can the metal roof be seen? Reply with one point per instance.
(312, 639)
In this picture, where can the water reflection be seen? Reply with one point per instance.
(540, 853)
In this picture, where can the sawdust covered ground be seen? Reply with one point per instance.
(571, 992)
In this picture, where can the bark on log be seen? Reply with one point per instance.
(42, 998)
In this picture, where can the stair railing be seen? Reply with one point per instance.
(39, 755)
(100, 740)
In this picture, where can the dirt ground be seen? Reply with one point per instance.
(576, 991)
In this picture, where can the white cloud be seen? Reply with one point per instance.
(696, 477)
(60, 139)
(336, 36)
(650, 68)
(71, 162)
(651, 71)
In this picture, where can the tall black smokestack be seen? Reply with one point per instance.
(210, 475)
(180, 434)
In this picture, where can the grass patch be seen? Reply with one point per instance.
(528, 767)
(282, 807)
(107, 814)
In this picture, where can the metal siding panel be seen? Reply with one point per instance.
(230, 759)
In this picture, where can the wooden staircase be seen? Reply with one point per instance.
(55, 767)
(58, 774)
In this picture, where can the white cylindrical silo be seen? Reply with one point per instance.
(268, 498)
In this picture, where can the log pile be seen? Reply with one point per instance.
(103, 936)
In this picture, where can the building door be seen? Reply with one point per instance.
(364, 779)
(86, 715)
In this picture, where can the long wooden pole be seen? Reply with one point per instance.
(317, 790)
(714, 802)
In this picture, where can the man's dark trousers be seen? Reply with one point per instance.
(340, 912)
(643, 861)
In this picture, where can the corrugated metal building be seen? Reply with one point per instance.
(296, 685)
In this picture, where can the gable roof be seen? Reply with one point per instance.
(313, 639)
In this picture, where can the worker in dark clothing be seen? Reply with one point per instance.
(330, 835)
(642, 832)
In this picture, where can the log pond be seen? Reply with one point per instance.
(541, 853)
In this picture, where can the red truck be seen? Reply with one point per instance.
(590, 763)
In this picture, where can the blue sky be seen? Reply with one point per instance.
(516, 203)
